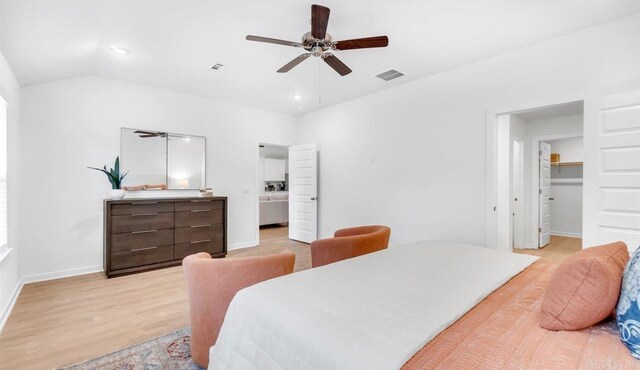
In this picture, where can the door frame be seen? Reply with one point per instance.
(520, 176)
(535, 177)
(255, 183)
(497, 218)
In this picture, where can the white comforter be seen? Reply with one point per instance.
(370, 312)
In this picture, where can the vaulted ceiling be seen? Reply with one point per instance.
(173, 43)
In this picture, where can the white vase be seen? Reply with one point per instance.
(117, 194)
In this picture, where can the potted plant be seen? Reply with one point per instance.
(115, 178)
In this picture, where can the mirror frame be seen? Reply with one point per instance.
(166, 159)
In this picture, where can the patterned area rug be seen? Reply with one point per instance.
(169, 352)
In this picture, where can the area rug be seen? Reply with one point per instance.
(169, 352)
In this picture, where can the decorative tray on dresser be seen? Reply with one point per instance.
(143, 234)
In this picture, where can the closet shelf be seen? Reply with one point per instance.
(566, 164)
(577, 180)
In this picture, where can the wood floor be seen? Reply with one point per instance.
(558, 249)
(66, 321)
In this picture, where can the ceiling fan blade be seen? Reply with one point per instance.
(287, 67)
(319, 21)
(148, 135)
(273, 41)
(336, 64)
(367, 42)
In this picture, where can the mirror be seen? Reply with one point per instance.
(162, 160)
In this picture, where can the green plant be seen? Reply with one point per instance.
(113, 174)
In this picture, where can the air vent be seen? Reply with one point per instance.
(390, 75)
(217, 66)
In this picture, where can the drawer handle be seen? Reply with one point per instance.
(200, 201)
(197, 226)
(145, 214)
(144, 232)
(144, 203)
(201, 241)
(143, 249)
(200, 210)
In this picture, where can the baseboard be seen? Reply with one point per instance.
(241, 245)
(61, 274)
(568, 235)
(9, 307)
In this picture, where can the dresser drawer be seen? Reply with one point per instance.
(199, 217)
(199, 204)
(195, 233)
(213, 246)
(141, 257)
(141, 208)
(141, 239)
(141, 222)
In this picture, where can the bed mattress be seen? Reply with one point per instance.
(503, 332)
(371, 312)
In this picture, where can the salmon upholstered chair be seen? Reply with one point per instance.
(212, 284)
(349, 243)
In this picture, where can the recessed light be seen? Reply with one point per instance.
(297, 97)
(300, 108)
(118, 50)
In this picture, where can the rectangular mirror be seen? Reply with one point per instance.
(162, 160)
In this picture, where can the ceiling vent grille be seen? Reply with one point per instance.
(390, 75)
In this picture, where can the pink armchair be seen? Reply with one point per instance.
(349, 243)
(212, 284)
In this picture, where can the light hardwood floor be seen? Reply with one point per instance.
(66, 321)
(558, 249)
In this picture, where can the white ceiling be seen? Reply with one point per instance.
(173, 43)
(274, 151)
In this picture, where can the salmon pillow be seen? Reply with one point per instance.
(584, 289)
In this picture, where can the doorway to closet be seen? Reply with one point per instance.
(540, 152)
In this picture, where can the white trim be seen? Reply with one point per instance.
(61, 274)
(242, 245)
(6, 312)
(535, 174)
(565, 234)
(5, 251)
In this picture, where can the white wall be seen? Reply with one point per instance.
(428, 136)
(9, 266)
(71, 124)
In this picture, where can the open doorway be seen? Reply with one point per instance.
(273, 192)
(540, 161)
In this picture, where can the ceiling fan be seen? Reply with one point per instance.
(150, 133)
(319, 43)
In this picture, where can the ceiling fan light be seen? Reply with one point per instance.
(119, 50)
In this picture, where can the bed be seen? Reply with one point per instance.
(410, 307)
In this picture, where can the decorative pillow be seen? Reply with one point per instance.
(584, 289)
(628, 310)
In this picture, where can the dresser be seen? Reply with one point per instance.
(151, 233)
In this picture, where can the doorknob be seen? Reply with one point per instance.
(552, 198)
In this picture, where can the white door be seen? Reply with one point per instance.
(517, 205)
(616, 171)
(544, 186)
(303, 193)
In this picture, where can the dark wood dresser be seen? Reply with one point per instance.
(152, 233)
